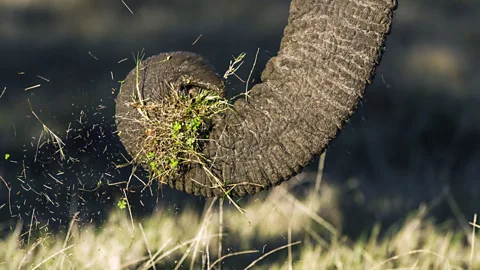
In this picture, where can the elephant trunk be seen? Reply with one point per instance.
(309, 90)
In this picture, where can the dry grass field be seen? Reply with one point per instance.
(279, 231)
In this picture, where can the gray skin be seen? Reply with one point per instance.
(327, 57)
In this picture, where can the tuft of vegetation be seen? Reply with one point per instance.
(176, 127)
(176, 130)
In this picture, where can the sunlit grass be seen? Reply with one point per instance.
(277, 220)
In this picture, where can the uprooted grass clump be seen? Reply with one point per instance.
(176, 129)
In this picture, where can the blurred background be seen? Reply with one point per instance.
(414, 140)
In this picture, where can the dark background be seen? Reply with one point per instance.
(414, 139)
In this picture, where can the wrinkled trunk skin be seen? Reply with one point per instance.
(327, 58)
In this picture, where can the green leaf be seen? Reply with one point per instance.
(190, 141)
(173, 162)
(122, 204)
(196, 122)
(177, 126)
(7, 156)
(153, 165)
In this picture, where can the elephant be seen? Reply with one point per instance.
(308, 91)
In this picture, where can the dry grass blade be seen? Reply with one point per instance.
(151, 260)
(198, 238)
(93, 56)
(473, 241)
(56, 140)
(269, 253)
(69, 234)
(146, 244)
(321, 165)
(138, 61)
(313, 215)
(462, 220)
(134, 262)
(231, 255)
(201, 232)
(418, 251)
(53, 255)
(3, 92)
(226, 194)
(33, 87)
(290, 260)
(234, 65)
(250, 75)
(29, 252)
(43, 78)
(177, 247)
(474, 225)
(9, 194)
(196, 40)
(30, 227)
(129, 9)
(129, 212)
(220, 229)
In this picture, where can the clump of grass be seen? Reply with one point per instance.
(175, 127)
(176, 130)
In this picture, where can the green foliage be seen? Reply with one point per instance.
(173, 162)
(122, 204)
(153, 165)
(176, 129)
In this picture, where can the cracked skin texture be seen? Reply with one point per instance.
(327, 58)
